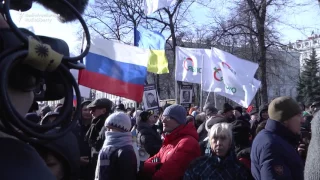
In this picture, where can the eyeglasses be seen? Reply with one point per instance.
(167, 118)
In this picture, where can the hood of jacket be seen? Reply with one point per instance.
(67, 148)
(262, 108)
(181, 131)
(143, 125)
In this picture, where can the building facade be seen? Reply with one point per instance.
(304, 47)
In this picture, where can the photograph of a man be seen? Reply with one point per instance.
(185, 96)
(150, 99)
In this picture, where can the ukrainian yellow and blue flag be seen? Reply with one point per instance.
(156, 42)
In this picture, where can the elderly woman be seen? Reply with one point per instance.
(222, 162)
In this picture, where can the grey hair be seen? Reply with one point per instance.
(221, 129)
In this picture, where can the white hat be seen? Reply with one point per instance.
(119, 120)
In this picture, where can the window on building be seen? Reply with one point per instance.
(298, 45)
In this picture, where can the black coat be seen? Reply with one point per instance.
(123, 165)
(148, 138)
(203, 133)
(95, 138)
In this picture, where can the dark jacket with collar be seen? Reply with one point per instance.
(123, 165)
(148, 138)
(95, 135)
(95, 138)
(274, 154)
(212, 167)
(254, 124)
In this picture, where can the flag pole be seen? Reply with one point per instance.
(176, 82)
(215, 99)
(201, 84)
(135, 43)
(207, 98)
(82, 43)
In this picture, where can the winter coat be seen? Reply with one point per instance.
(20, 160)
(244, 157)
(274, 154)
(67, 148)
(148, 138)
(179, 148)
(95, 135)
(123, 164)
(203, 133)
(212, 167)
(95, 138)
(254, 124)
(80, 131)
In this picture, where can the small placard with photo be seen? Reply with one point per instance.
(150, 98)
(186, 94)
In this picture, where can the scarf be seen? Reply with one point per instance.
(94, 130)
(113, 141)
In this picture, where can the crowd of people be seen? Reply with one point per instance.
(111, 142)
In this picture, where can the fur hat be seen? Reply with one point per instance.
(119, 120)
(283, 108)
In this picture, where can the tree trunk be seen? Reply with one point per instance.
(263, 72)
(174, 44)
(260, 24)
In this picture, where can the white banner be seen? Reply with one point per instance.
(151, 6)
(250, 91)
(221, 72)
(189, 64)
(230, 76)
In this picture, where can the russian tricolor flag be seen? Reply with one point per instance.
(115, 68)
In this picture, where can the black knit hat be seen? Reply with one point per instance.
(241, 132)
(210, 109)
(227, 107)
(238, 108)
(283, 108)
(144, 116)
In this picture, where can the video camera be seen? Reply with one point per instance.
(40, 64)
